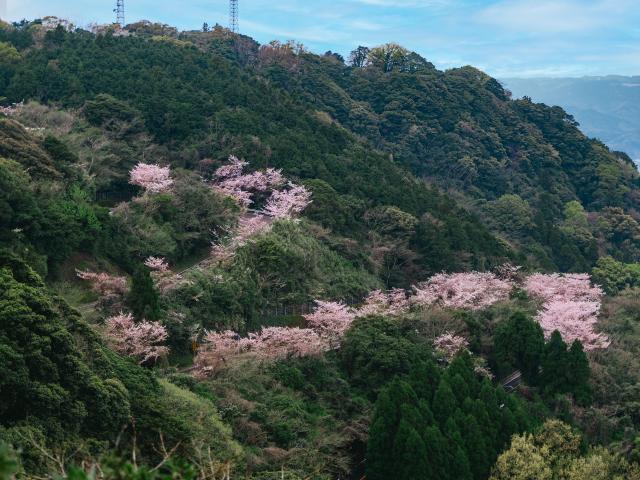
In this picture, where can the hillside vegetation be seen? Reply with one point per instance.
(226, 260)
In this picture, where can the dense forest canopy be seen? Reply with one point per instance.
(220, 259)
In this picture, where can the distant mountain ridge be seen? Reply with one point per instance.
(606, 107)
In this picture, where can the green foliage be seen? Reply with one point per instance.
(554, 452)
(616, 276)
(511, 214)
(143, 298)
(518, 344)
(565, 370)
(459, 440)
(8, 462)
(377, 349)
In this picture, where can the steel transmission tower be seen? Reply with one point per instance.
(233, 16)
(120, 12)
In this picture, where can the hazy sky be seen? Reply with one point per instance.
(503, 37)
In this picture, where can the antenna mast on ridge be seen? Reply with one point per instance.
(233, 16)
(120, 13)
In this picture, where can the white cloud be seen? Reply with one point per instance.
(556, 16)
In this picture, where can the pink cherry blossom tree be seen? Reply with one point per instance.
(163, 278)
(231, 181)
(271, 343)
(449, 345)
(105, 285)
(575, 320)
(331, 320)
(568, 287)
(288, 203)
(284, 342)
(157, 264)
(394, 302)
(571, 306)
(140, 341)
(12, 109)
(469, 290)
(151, 177)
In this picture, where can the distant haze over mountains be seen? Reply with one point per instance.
(607, 108)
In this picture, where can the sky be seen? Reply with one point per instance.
(505, 38)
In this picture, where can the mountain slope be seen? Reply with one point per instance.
(607, 108)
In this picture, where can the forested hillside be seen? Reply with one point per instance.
(607, 108)
(227, 260)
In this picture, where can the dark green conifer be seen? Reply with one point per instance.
(143, 297)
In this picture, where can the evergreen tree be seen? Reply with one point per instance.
(579, 373)
(519, 344)
(444, 402)
(424, 377)
(436, 451)
(396, 401)
(409, 453)
(143, 297)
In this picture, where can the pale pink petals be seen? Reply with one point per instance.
(158, 264)
(569, 286)
(393, 302)
(449, 345)
(571, 306)
(152, 177)
(288, 203)
(138, 340)
(472, 290)
(104, 284)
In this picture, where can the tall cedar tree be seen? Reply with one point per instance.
(143, 297)
(518, 344)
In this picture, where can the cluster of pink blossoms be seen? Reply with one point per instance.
(230, 180)
(157, 264)
(152, 177)
(137, 340)
(163, 278)
(285, 203)
(288, 203)
(449, 344)
(557, 287)
(471, 290)
(391, 303)
(571, 306)
(270, 343)
(105, 285)
(331, 320)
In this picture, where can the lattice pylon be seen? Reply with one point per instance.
(120, 13)
(233, 16)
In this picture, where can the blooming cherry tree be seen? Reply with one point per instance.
(151, 177)
(12, 109)
(471, 290)
(331, 320)
(231, 181)
(138, 340)
(157, 264)
(575, 320)
(571, 306)
(163, 278)
(270, 343)
(284, 342)
(448, 345)
(568, 287)
(288, 203)
(105, 285)
(393, 302)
